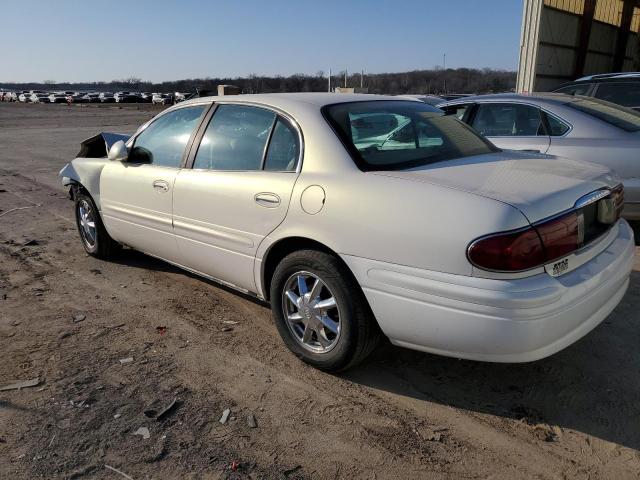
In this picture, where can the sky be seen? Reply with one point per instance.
(78, 41)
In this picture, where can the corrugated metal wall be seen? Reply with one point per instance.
(564, 39)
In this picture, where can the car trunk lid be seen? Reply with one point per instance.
(540, 186)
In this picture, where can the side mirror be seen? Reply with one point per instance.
(118, 152)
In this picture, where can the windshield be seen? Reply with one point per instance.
(388, 135)
(615, 115)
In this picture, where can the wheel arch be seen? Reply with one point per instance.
(285, 246)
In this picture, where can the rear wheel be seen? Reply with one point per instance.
(320, 311)
(95, 239)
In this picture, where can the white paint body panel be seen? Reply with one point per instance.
(403, 234)
(134, 212)
(218, 223)
(496, 320)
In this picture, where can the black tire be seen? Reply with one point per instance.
(103, 245)
(359, 332)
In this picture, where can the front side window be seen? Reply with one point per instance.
(508, 120)
(579, 89)
(626, 94)
(164, 140)
(401, 134)
(235, 138)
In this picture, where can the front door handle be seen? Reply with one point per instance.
(266, 199)
(161, 185)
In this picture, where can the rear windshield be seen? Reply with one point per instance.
(392, 135)
(615, 115)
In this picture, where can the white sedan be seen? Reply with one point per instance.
(362, 215)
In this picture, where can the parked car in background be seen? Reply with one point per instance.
(432, 100)
(620, 88)
(58, 98)
(146, 97)
(91, 97)
(77, 97)
(180, 97)
(127, 97)
(162, 99)
(354, 214)
(39, 98)
(455, 96)
(574, 127)
(107, 97)
(24, 97)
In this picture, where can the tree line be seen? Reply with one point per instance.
(435, 81)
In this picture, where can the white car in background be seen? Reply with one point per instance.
(180, 97)
(162, 99)
(359, 214)
(59, 97)
(39, 98)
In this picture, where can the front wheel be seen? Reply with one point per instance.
(95, 239)
(321, 312)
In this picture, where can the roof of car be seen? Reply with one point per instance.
(609, 76)
(537, 97)
(282, 100)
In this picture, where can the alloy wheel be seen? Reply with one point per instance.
(311, 312)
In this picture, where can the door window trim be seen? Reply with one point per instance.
(279, 114)
(187, 149)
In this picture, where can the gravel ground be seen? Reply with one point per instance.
(113, 344)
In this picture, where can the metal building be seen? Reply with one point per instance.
(562, 40)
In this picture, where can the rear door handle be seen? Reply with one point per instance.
(161, 185)
(266, 199)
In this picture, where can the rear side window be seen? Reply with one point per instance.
(620, 117)
(164, 140)
(508, 120)
(284, 149)
(557, 127)
(626, 94)
(579, 89)
(235, 138)
(388, 135)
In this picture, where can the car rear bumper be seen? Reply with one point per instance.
(515, 320)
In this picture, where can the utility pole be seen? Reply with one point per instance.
(345, 78)
(329, 81)
(361, 78)
(444, 67)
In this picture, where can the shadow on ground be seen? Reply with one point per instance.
(592, 386)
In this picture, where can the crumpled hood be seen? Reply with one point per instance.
(538, 185)
(98, 146)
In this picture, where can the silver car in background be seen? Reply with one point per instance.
(574, 127)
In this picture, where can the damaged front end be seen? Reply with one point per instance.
(98, 146)
(84, 170)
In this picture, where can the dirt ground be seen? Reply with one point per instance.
(69, 320)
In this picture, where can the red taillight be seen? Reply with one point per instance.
(508, 252)
(529, 248)
(560, 236)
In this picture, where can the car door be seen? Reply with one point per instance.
(512, 126)
(236, 192)
(136, 194)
